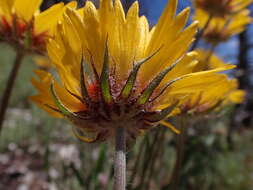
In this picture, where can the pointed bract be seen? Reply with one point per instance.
(59, 104)
(105, 83)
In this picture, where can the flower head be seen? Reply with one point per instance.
(116, 72)
(218, 94)
(207, 60)
(221, 8)
(221, 29)
(24, 26)
(236, 96)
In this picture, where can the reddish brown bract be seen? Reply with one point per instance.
(21, 34)
(219, 8)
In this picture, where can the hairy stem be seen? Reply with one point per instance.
(120, 160)
(9, 87)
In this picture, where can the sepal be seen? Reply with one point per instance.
(99, 137)
(160, 115)
(84, 90)
(148, 91)
(127, 89)
(171, 127)
(104, 78)
(81, 137)
(59, 105)
(166, 86)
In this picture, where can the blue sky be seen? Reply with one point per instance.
(153, 8)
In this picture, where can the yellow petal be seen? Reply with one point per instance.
(45, 98)
(46, 21)
(6, 7)
(77, 23)
(27, 8)
(124, 40)
(208, 61)
(168, 54)
(93, 39)
(163, 24)
(40, 102)
(171, 127)
(42, 62)
(237, 96)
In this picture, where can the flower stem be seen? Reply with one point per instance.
(9, 87)
(120, 159)
(200, 34)
(209, 54)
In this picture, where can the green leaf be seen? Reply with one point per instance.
(104, 79)
(100, 163)
(127, 89)
(144, 97)
(77, 174)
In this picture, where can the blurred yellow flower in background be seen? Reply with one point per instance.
(207, 60)
(236, 96)
(23, 25)
(42, 62)
(224, 92)
(218, 95)
(221, 8)
(116, 72)
(221, 29)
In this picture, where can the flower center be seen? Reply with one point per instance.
(109, 106)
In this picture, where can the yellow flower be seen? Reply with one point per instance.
(236, 96)
(116, 72)
(207, 60)
(221, 29)
(218, 94)
(221, 8)
(23, 25)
